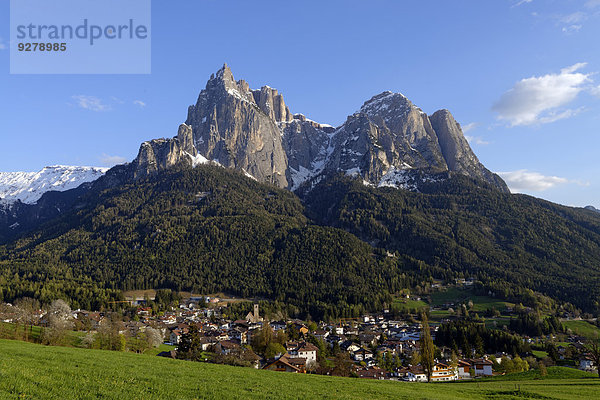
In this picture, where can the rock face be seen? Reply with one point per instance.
(389, 134)
(457, 152)
(159, 154)
(255, 132)
(306, 144)
(232, 128)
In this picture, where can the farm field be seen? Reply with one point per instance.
(582, 328)
(31, 371)
(455, 295)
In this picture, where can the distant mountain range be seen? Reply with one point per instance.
(28, 187)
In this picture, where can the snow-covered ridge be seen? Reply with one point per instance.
(28, 187)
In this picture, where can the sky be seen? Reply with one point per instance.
(520, 76)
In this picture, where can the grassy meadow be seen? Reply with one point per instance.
(582, 328)
(31, 371)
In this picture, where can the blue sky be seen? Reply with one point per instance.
(522, 77)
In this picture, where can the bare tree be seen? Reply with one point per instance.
(26, 312)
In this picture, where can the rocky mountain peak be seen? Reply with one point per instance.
(457, 152)
(254, 131)
(386, 103)
(238, 128)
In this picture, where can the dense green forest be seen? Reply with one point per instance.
(514, 244)
(204, 230)
(343, 248)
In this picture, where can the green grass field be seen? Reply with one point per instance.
(456, 295)
(539, 353)
(30, 371)
(582, 328)
(407, 304)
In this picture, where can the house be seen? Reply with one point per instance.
(298, 362)
(416, 374)
(321, 334)
(368, 339)
(278, 325)
(240, 334)
(586, 363)
(482, 367)
(362, 354)
(225, 347)
(206, 342)
(282, 364)
(300, 327)
(175, 335)
(442, 372)
(372, 373)
(308, 351)
(464, 370)
(400, 372)
(349, 346)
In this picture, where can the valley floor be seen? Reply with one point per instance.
(31, 371)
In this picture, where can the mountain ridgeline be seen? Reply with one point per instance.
(254, 131)
(391, 199)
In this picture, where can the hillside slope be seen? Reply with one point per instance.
(210, 229)
(510, 242)
(203, 229)
(89, 374)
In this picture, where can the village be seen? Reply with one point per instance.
(365, 342)
(374, 346)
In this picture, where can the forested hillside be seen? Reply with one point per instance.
(204, 230)
(510, 242)
(209, 229)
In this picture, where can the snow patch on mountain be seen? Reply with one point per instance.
(406, 178)
(28, 187)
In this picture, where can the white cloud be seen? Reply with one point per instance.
(476, 140)
(592, 3)
(595, 90)
(110, 161)
(524, 180)
(521, 2)
(139, 103)
(91, 103)
(469, 127)
(571, 29)
(539, 99)
(573, 18)
(2, 45)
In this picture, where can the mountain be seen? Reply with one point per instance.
(337, 249)
(205, 229)
(207, 210)
(28, 187)
(592, 208)
(514, 244)
(237, 127)
(254, 131)
(160, 154)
